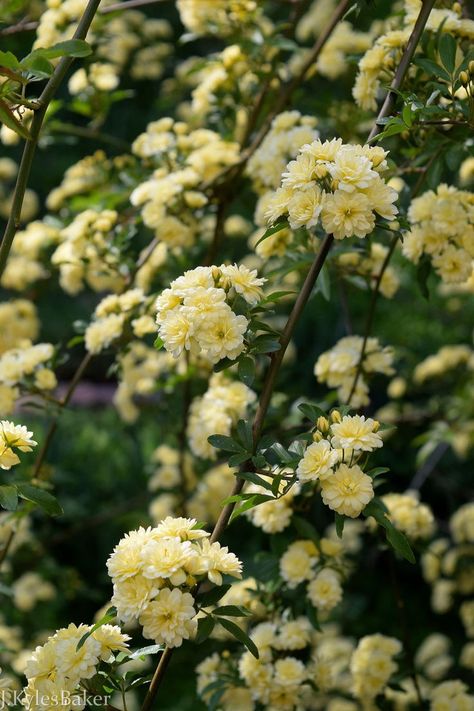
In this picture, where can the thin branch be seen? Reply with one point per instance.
(23, 25)
(87, 132)
(31, 144)
(228, 175)
(128, 4)
(371, 313)
(429, 466)
(222, 207)
(157, 678)
(402, 69)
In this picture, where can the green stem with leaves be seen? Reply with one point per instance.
(31, 144)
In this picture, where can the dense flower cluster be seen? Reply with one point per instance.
(345, 489)
(19, 324)
(13, 437)
(26, 263)
(113, 314)
(215, 16)
(194, 314)
(130, 39)
(222, 405)
(448, 567)
(410, 515)
(446, 359)
(442, 227)
(171, 199)
(372, 665)
(59, 666)
(27, 368)
(153, 571)
(87, 253)
(338, 366)
(337, 184)
(384, 54)
(289, 131)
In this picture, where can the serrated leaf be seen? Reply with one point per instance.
(240, 635)
(432, 68)
(246, 370)
(42, 498)
(110, 615)
(212, 596)
(205, 626)
(37, 65)
(8, 497)
(227, 444)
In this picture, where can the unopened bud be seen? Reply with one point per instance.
(336, 416)
(317, 436)
(322, 424)
(464, 78)
(376, 426)
(457, 8)
(471, 67)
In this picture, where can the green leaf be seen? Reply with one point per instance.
(324, 283)
(158, 343)
(205, 627)
(235, 460)
(312, 615)
(8, 497)
(340, 521)
(272, 230)
(306, 529)
(432, 68)
(37, 65)
(244, 430)
(68, 48)
(447, 51)
(377, 471)
(42, 498)
(231, 611)
(227, 444)
(399, 543)
(255, 479)
(240, 635)
(110, 615)
(265, 344)
(8, 118)
(253, 501)
(246, 370)
(212, 596)
(312, 412)
(8, 60)
(146, 651)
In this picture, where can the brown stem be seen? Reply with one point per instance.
(222, 207)
(157, 679)
(6, 547)
(128, 4)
